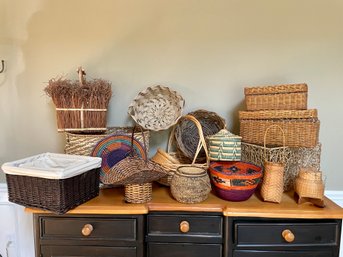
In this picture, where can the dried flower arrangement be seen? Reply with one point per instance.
(81, 106)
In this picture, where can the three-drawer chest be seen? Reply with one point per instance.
(107, 226)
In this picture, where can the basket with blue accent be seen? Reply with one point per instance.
(224, 146)
(235, 181)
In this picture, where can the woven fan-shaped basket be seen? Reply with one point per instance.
(171, 161)
(134, 169)
(157, 108)
(186, 132)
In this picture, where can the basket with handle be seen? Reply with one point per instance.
(272, 185)
(171, 161)
(135, 173)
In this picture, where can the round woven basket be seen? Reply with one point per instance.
(190, 185)
(171, 161)
(186, 132)
(157, 108)
(138, 193)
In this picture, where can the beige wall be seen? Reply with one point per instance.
(206, 50)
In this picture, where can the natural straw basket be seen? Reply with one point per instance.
(83, 144)
(170, 161)
(138, 193)
(272, 185)
(157, 108)
(309, 184)
(276, 97)
(301, 127)
(187, 136)
(190, 184)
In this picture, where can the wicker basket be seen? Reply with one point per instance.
(138, 193)
(272, 185)
(309, 184)
(277, 97)
(301, 127)
(171, 161)
(190, 184)
(157, 108)
(186, 132)
(83, 144)
(295, 159)
(56, 195)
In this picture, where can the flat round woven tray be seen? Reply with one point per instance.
(156, 108)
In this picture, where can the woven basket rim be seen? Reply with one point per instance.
(278, 114)
(276, 89)
(152, 92)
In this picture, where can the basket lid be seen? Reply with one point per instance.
(224, 134)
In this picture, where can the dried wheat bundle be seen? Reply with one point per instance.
(80, 105)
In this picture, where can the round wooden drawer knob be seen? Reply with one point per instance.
(184, 226)
(87, 230)
(288, 236)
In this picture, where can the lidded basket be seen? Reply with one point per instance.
(224, 146)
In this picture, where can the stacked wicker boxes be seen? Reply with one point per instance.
(286, 106)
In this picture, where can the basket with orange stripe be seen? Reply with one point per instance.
(235, 181)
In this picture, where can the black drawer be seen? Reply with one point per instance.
(244, 253)
(201, 228)
(99, 251)
(271, 233)
(184, 249)
(122, 228)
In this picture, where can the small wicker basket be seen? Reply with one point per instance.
(171, 161)
(157, 108)
(309, 184)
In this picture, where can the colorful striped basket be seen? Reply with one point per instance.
(235, 181)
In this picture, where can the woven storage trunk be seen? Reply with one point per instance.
(295, 159)
(301, 127)
(55, 195)
(83, 144)
(277, 97)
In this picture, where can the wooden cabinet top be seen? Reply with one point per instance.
(111, 201)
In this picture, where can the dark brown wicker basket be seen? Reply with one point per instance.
(55, 195)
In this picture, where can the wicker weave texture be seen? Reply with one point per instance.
(56, 195)
(272, 185)
(278, 114)
(279, 97)
(296, 158)
(171, 161)
(83, 144)
(138, 193)
(190, 185)
(187, 135)
(298, 132)
(157, 108)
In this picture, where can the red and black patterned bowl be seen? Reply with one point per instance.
(235, 181)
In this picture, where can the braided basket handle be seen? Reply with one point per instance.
(283, 141)
(202, 141)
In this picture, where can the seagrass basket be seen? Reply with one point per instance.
(157, 108)
(186, 132)
(276, 97)
(301, 127)
(83, 144)
(172, 160)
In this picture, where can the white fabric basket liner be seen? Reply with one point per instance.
(52, 165)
